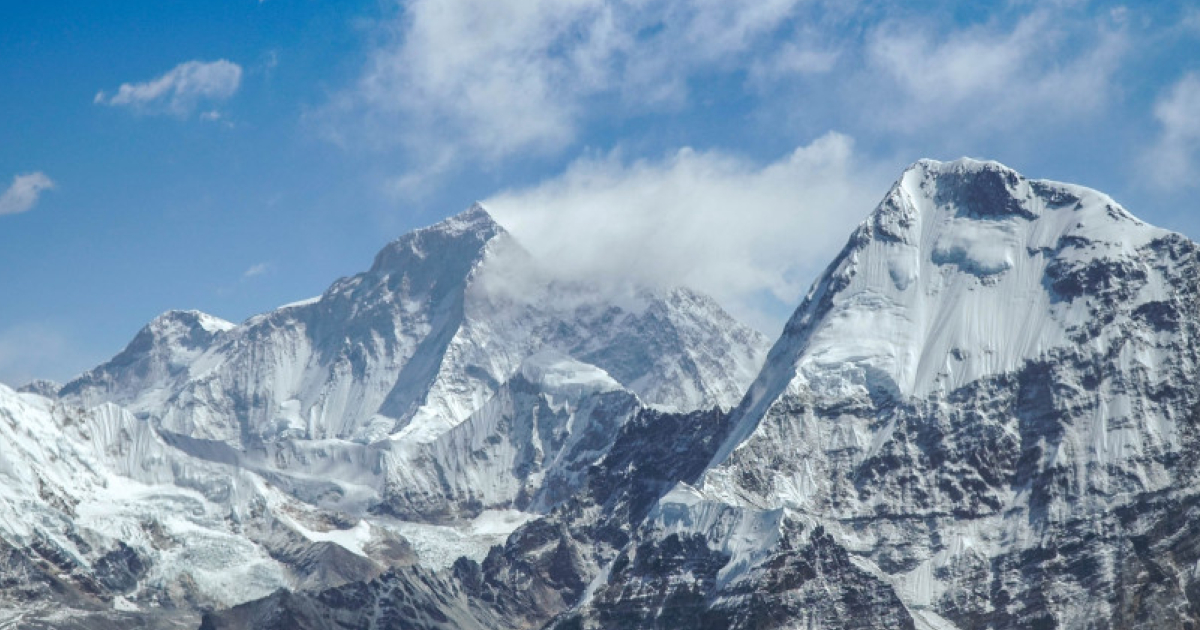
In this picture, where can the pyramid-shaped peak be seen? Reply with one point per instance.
(186, 320)
(965, 254)
(176, 329)
(462, 236)
(983, 190)
(976, 188)
(473, 220)
(963, 165)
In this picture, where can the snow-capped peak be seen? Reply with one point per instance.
(460, 238)
(186, 321)
(41, 387)
(947, 280)
(416, 344)
(965, 269)
(158, 354)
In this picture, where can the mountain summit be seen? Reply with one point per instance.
(966, 269)
(982, 403)
(412, 346)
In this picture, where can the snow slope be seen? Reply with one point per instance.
(528, 448)
(124, 520)
(950, 280)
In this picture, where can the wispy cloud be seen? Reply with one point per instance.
(1043, 67)
(179, 91)
(256, 270)
(496, 77)
(1191, 20)
(23, 193)
(1173, 161)
(752, 235)
(454, 83)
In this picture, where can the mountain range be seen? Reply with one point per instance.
(984, 414)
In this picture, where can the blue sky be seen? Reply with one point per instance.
(232, 157)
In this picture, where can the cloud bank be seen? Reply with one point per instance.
(180, 90)
(1044, 67)
(455, 84)
(752, 235)
(497, 77)
(22, 195)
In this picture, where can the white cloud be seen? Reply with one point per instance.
(180, 90)
(991, 76)
(753, 236)
(464, 83)
(796, 58)
(1173, 161)
(23, 194)
(256, 270)
(494, 77)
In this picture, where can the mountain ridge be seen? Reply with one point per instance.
(944, 482)
(410, 347)
(984, 414)
(279, 442)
